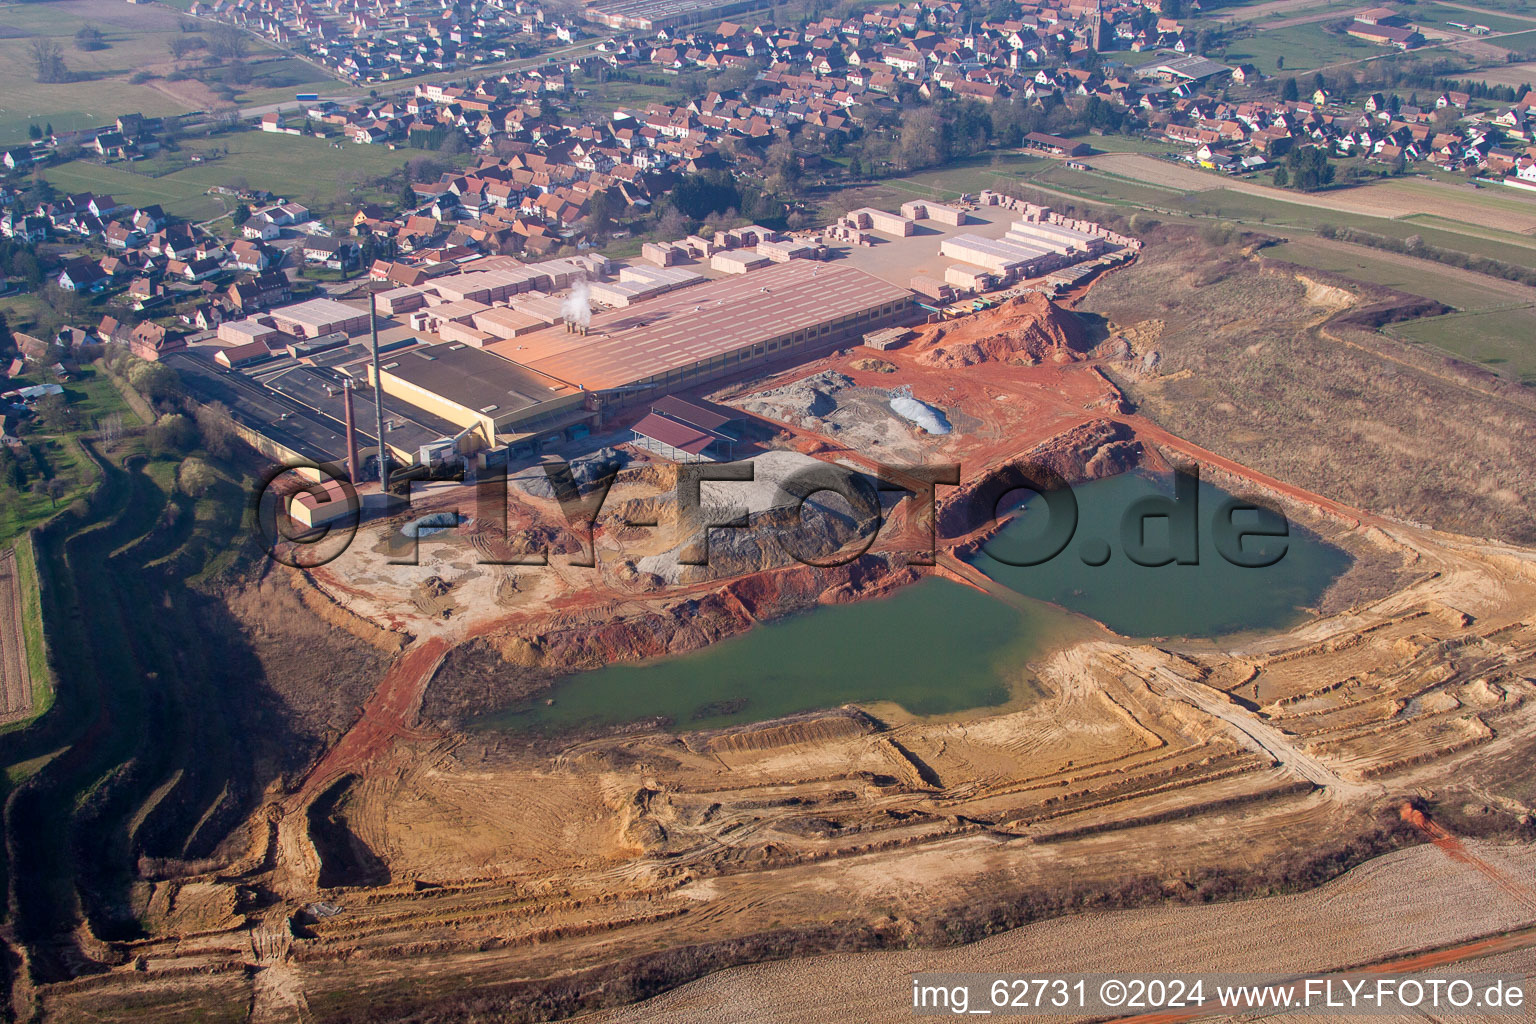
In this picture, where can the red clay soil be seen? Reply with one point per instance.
(388, 715)
(1034, 388)
(1030, 328)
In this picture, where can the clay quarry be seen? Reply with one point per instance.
(420, 866)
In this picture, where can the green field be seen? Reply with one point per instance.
(1105, 187)
(1303, 48)
(306, 169)
(1260, 211)
(92, 397)
(277, 80)
(1127, 144)
(1521, 42)
(613, 94)
(970, 175)
(137, 37)
(1525, 7)
(1361, 264)
(1290, 12)
(32, 630)
(1438, 15)
(1503, 340)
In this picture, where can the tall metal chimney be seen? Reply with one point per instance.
(378, 390)
(352, 469)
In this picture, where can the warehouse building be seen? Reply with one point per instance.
(712, 330)
(686, 431)
(496, 399)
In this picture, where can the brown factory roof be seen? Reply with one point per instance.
(700, 323)
(670, 432)
(704, 415)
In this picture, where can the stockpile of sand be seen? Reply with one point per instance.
(801, 402)
(1028, 329)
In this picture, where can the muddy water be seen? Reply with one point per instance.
(931, 648)
(1211, 598)
(938, 647)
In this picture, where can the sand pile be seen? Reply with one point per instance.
(801, 402)
(1027, 329)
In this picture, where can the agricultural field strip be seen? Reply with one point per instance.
(1357, 201)
(17, 686)
(1486, 11)
(1248, 935)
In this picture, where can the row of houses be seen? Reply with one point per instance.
(1240, 136)
(369, 41)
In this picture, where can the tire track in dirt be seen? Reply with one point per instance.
(1456, 850)
(388, 715)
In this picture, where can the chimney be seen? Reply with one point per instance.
(378, 391)
(352, 467)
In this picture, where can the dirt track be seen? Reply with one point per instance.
(15, 682)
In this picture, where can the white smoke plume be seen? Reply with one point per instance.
(577, 307)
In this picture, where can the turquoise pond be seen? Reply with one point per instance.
(938, 647)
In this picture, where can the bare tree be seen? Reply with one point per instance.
(48, 58)
(217, 428)
(110, 427)
(228, 42)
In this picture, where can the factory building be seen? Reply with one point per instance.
(494, 398)
(708, 331)
(536, 368)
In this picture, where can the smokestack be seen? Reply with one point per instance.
(378, 390)
(577, 307)
(352, 470)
